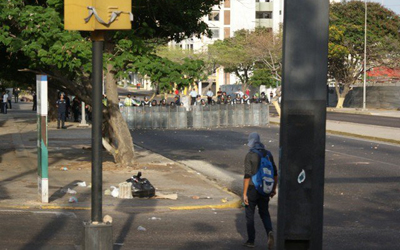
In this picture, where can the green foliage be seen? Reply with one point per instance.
(262, 76)
(32, 37)
(346, 39)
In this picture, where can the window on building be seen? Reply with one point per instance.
(263, 14)
(215, 33)
(189, 46)
(214, 15)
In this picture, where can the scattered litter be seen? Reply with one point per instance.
(198, 173)
(90, 185)
(125, 190)
(140, 228)
(225, 200)
(154, 218)
(107, 192)
(107, 219)
(213, 209)
(112, 187)
(270, 141)
(64, 169)
(215, 212)
(333, 146)
(115, 192)
(71, 191)
(166, 196)
(195, 197)
(119, 244)
(341, 193)
(81, 184)
(73, 200)
(141, 187)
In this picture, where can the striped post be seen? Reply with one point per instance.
(43, 163)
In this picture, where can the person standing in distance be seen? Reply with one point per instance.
(61, 105)
(193, 95)
(210, 95)
(251, 197)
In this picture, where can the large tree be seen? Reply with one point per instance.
(254, 56)
(33, 39)
(346, 42)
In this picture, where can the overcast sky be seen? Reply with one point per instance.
(391, 4)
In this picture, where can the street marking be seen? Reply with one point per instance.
(360, 157)
(58, 214)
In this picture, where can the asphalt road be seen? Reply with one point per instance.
(361, 178)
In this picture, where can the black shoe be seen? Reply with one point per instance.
(249, 244)
(64, 127)
(58, 127)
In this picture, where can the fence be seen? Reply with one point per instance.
(213, 116)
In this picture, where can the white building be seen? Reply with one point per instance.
(233, 15)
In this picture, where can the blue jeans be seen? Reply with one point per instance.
(256, 199)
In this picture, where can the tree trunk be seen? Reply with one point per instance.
(119, 131)
(342, 96)
(340, 102)
(277, 107)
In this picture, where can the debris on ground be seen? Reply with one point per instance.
(107, 219)
(81, 184)
(166, 196)
(73, 200)
(141, 187)
(71, 191)
(225, 200)
(107, 192)
(195, 197)
(125, 190)
(115, 192)
(154, 218)
(64, 169)
(140, 228)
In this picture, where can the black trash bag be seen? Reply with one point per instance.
(141, 187)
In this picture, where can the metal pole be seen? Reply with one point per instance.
(97, 172)
(365, 60)
(43, 155)
(303, 120)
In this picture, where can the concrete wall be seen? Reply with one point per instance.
(212, 116)
(382, 97)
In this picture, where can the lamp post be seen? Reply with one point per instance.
(365, 59)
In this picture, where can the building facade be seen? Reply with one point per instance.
(230, 16)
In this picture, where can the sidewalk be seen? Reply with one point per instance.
(70, 148)
(374, 112)
(363, 131)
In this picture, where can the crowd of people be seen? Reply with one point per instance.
(197, 100)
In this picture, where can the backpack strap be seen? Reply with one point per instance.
(268, 154)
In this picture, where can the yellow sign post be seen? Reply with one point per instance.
(97, 16)
(91, 15)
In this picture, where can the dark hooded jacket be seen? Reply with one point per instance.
(252, 160)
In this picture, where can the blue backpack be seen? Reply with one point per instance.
(263, 180)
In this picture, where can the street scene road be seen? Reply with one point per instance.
(361, 177)
(138, 125)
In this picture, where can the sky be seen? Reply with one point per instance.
(390, 4)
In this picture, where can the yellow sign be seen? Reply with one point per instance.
(90, 15)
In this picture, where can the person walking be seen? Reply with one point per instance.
(209, 95)
(252, 198)
(61, 105)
